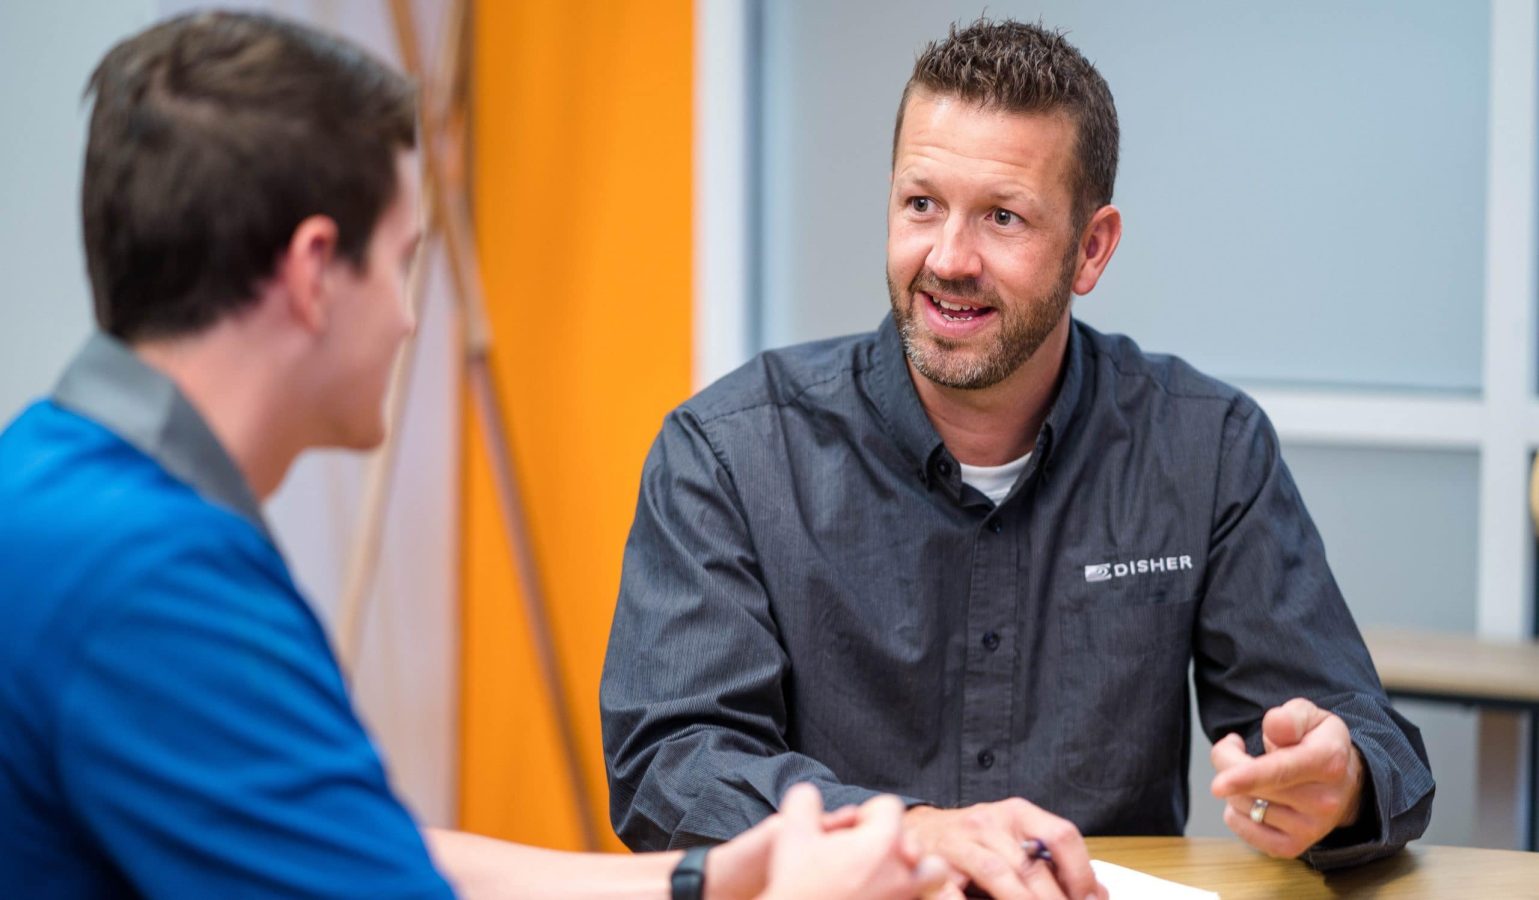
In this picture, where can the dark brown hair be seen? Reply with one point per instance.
(213, 135)
(1024, 68)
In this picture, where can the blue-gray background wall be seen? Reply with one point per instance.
(46, 53)
(1303, 185)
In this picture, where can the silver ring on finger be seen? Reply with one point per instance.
(1258, 809)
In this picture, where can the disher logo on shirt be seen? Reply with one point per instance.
(1108, 571)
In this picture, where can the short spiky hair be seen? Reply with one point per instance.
(1024, 68)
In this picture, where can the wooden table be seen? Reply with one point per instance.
(1455, 668)
(1236, 872)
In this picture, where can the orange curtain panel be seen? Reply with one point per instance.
(582, 194)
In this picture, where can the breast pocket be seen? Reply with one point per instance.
(1122, 687)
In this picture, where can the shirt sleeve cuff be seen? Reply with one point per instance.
(1368, 838)
(837, 795)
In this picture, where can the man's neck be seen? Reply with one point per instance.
(244, 410)
(998, 424)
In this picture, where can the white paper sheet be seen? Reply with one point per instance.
(1123, 883)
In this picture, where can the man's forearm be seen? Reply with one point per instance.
(482, 867)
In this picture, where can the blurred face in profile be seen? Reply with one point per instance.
(370, 318)
(981, 244)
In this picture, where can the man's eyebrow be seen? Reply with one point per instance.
(1014, 195)
(909, 179)
(1011, 195)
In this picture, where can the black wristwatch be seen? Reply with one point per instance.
(689, 875)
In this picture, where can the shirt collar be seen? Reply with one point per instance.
(1070, 388)
(107, 383)
(897, 402)
(892, 389)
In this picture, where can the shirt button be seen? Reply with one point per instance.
(996, 526)
(986, 759)
(990, 641)
(944, 468)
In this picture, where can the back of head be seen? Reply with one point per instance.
(213, 135)
(1023, 68)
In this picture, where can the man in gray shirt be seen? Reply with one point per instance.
(969, 558)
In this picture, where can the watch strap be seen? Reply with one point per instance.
(688, 879)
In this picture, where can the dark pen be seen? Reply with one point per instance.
(1035, 849)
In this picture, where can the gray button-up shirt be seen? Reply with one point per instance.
(811, 592)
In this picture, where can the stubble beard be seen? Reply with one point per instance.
(1021, 332)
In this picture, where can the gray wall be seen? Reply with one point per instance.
(47, 51)
(1297, 181)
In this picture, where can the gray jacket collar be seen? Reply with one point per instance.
(108, 384)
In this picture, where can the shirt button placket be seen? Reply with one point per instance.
(988, 687)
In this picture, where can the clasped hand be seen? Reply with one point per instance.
(803, 853)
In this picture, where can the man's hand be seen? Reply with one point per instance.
(865, 854)
(739, 869)
(1311, 775)
(983, 844)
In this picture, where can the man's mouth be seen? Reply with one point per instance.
(954, 310)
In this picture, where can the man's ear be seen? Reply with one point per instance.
(1097, 243)
(304, 270)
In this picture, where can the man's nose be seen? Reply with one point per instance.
(955, 254)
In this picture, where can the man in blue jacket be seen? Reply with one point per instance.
(172, 721)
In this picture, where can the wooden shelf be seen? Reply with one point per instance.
(1456, 667)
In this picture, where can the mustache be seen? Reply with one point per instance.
(961, 288)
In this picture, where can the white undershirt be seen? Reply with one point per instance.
(995, 481)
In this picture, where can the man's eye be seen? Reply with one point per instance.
(1003, 217)
(920, 204)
